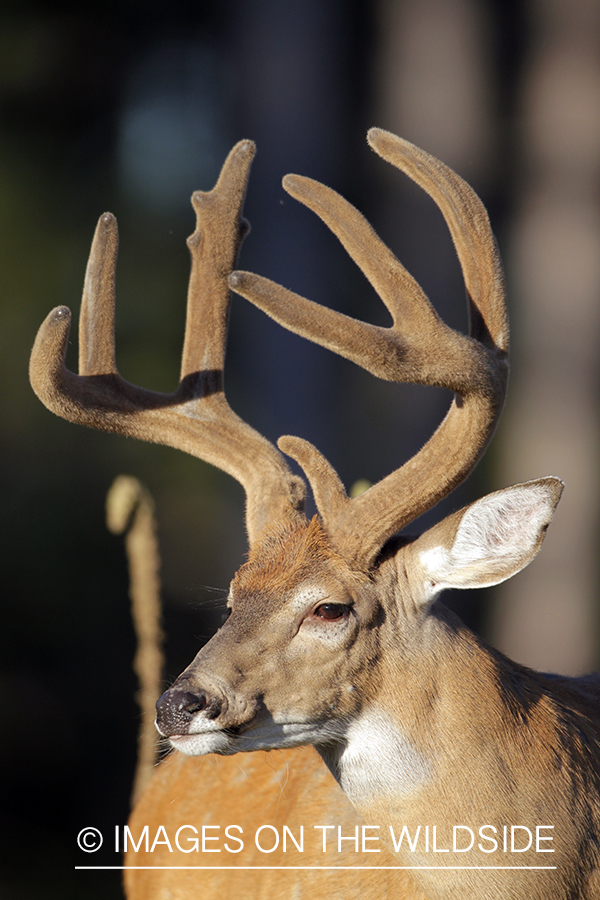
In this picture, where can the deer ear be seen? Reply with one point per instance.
(484, 543)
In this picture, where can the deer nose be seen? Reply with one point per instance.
(176, 709)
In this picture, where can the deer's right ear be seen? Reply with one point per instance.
(484, 543)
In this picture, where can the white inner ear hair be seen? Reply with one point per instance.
(504, 526)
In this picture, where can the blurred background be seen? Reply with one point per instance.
(130, 106)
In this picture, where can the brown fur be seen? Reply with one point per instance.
(290, 787)
(287, 556)
(414, 716)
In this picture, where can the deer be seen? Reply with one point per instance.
(480, 776)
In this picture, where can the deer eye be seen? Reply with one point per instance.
(331, 611)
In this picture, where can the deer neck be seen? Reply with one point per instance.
(454, 740)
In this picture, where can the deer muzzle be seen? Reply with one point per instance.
(184, 709)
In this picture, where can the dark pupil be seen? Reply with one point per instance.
(331, 611)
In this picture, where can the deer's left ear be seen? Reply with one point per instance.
(484, 543)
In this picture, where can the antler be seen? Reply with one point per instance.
(417, 348)
(196, 418)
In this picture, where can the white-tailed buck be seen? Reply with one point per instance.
(480, 775)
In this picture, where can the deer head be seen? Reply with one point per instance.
(333, 626)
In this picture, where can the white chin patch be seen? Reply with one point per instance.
(200, 744)
(272, 735)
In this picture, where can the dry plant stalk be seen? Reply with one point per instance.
(130, 510)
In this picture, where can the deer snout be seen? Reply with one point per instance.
(176, 708)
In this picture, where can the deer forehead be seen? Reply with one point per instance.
(295, 566)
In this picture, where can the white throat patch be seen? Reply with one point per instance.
(379, 761)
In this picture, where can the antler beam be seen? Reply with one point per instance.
(417, 348)
(196, 418)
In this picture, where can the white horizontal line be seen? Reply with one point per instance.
(298, 868)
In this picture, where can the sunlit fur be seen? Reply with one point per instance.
(287, 556)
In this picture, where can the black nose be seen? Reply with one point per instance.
(176, 709)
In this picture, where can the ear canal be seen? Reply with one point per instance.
(489, 541)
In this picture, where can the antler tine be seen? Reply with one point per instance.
(417, 348)
(196, 418)
(208, 292)
(469, 226)
(97, 316)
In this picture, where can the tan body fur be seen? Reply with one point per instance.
(290, 787)
(336, 636)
